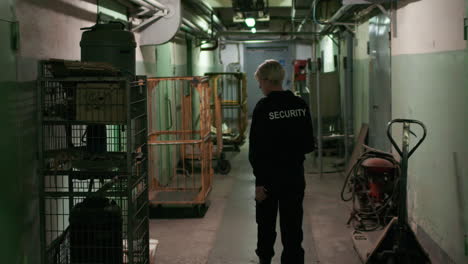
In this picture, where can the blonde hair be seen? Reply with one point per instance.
(270, 70)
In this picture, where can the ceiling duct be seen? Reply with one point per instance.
(257, 9)
(248, 5)
(157, 20)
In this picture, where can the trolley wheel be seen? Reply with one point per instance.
(236, 148)
(200, 210)
(224, 166)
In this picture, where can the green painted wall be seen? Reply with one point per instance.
(361, 93)
(11, 198)
(164, 65)
(146, 63)
(361, 77)
(205, 61)
(433, 88)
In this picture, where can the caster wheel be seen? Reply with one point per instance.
(224, 167)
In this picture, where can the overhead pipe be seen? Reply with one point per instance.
(151, 5)
(338, 14)
(211, 48)
(207, 13)
(158, 15)
(144, 4)
(268, 33)
(144, 12)
(196, 30)
(243, 41)
(157, 4)
(189, 32)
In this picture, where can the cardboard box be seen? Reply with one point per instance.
(104, 102)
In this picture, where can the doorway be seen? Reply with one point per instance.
(254, 55)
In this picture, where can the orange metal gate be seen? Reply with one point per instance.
(180, 147)
(232, 90)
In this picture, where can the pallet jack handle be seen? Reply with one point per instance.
(406, 125)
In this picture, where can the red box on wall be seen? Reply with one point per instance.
(300, 70)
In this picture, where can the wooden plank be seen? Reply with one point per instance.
(358, 147)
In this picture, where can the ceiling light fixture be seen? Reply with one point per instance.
(250, 22)
(253, 30)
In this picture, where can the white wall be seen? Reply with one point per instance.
(48, 29)
(429, 26)
(429, 83)
(303, 51)
(232, 53)
(51, 28)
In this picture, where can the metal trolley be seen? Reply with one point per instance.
(92, 166)
(180, 146)
(216, 84)
(232, 88)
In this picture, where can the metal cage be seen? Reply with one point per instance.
(180, 146)
(93, 168)
(232, 88)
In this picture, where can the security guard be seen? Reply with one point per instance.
(280, 134)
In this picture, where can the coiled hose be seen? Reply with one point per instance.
(369, 218)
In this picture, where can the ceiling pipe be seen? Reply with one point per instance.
(267, 33)
(158, 15)
(143, 4)
(195, 29)
(144, 12)
(244, 41)
(157, 4)
(207, 13)
(211, 48)
(126, 3)
(329, 23)
(338, 14)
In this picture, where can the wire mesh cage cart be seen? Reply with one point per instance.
(232, 86)
(92, 165)
(180, 146)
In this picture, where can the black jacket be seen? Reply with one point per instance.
(280, 134)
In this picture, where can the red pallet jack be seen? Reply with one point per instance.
(397, 244)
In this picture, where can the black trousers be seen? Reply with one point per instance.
(291, 213)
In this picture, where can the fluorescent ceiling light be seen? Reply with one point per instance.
(250, 22)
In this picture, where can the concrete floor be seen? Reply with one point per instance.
(227, 234)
